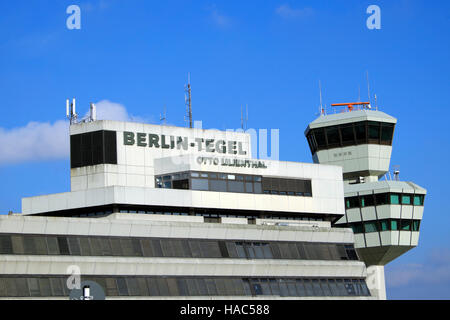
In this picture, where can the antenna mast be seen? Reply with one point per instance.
(71, 112)
(244, 119)
(321, 110)
(162, 117)
(187, 100)
(368, 85)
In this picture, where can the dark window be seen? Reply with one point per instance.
(351, 202)
(348, 136)
(319, 136)
(357, 228)
(351, 252)
(333, 137)
(63, 246)
(374, 132)
(418, 199)
(75, 151)
(405, 225)
(381, 199)
(367, 201)
(387, 131)
(110, 146)
(181, 184)
(415, 225)
(93, 148)
(360, 131)
(6, 245)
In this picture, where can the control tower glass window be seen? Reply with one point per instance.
(387, 131)
(348, 136)
(374, 132)
(360, 130)
(333, 137)
(364, 132)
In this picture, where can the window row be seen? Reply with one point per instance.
(379, 199)
(204, 212)
(309, 287)
(384, 225)
(363, 132)
(164, 247)
(220, 215)
(226, 182)
(55, 286)
(210, 181)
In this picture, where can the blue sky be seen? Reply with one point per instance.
(135, 56)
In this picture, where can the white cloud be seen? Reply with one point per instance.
(287, 12)
(34, 142)
(41, 141)
(107, 110)
(435, 270)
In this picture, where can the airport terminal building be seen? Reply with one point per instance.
(163, 212)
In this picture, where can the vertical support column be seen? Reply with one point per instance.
(376, 282)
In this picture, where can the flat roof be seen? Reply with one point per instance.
(350, 117)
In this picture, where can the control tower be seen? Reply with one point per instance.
(384, 212)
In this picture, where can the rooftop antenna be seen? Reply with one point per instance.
(93, 113)
(187, 100)
(376, 103)
(246, 115)
(359, 93)
(244, 119)
(368, 86)
(321, 110)
(162, 117)
(71, 113)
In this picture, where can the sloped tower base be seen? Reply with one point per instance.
(381, 255)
